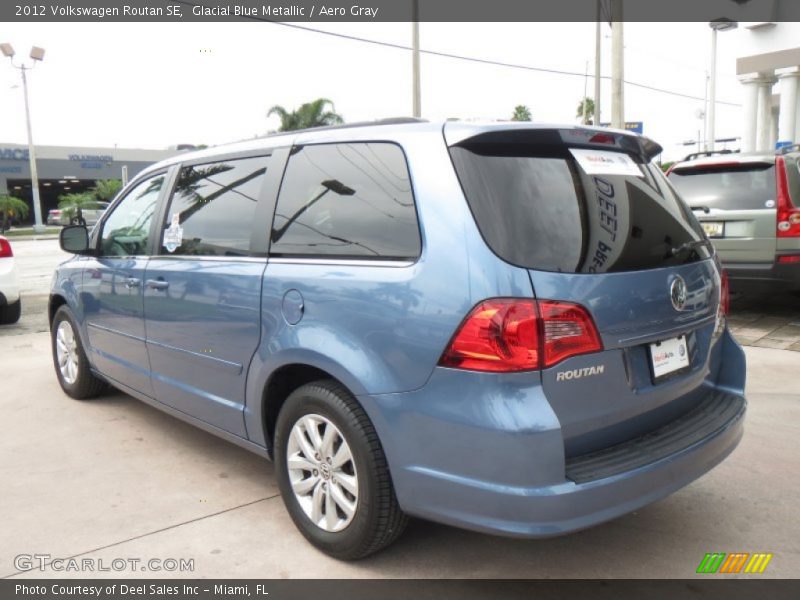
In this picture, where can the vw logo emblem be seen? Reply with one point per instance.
(677, 293)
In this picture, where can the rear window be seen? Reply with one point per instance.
(539, 208)
(731, 186)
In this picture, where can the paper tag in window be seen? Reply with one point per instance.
(603, 162)
(173, 235)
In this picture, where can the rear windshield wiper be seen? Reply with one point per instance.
(687, 246)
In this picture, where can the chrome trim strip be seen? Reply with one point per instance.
(227, 365)
(109, 330)
(181, 257)
(341, 261)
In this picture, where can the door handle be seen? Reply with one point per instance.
(157, 284)
(132, 282)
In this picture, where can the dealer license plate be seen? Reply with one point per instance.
(714, 229)
(669, 357)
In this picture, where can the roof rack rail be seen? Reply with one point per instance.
(377, 122)
(694, 155)
(789, 148)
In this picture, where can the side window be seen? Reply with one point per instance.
(346, 200)
(212, 208)
(127, 229)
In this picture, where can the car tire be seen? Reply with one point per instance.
(69, 358)
(10, 313)
(375, 518)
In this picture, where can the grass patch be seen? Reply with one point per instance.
(29, 232)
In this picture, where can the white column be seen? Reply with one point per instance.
(773, 127)
(750, 114)
(787, 118)
(764, 113)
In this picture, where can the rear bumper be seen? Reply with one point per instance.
(9, 287)
(756, 275)
(495, 463)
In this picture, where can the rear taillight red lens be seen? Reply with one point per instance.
(788, 219)
(508, 334)
(568, 331)
(724, 293)
(5, 248)
(789, 259)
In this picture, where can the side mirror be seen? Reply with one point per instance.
(74, 239)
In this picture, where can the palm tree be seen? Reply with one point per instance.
(105, 189)
(310, 114)
(11, 206)
(73, 205)
(521, 113)
(587, 117)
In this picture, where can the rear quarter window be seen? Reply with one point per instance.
(349, 200)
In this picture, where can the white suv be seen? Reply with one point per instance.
(10, 303)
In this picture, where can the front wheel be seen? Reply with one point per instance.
(69, 358)
(332, 473)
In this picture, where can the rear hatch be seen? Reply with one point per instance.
(597, 225)
(736, 202)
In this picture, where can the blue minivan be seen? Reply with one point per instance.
(511, 328)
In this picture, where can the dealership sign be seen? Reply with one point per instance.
(13, 154)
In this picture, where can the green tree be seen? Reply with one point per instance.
(318, 113)
(105, 189)
(589, 117)
(72, 204)
(11, 206)
(521, 113)
(666, 166)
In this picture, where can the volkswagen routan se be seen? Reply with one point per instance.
(512, 328)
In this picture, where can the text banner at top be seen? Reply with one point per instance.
(744, 11)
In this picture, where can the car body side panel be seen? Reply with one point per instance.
(383, 327)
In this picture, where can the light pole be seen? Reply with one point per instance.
(37, 54)
(416, 93)
(716, 25)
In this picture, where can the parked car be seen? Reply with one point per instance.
(91, 214)
(10, 303)
(516, 329)
(749, 206)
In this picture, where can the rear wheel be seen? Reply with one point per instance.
(332, 473)
(10, 313)
(69, 358)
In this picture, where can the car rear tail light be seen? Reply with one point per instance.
(568, 331)
(788, 217)
(724, 293)
(5, 249)
(507, 334)
(785, 260)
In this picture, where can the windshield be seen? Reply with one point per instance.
(576, 211)
(730, 186)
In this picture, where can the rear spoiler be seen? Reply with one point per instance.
(462, 134)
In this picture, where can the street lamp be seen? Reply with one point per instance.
(716, 25)
(37, 55)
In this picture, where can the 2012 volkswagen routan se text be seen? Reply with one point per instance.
(516, 329)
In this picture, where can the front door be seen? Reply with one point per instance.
(111, 291)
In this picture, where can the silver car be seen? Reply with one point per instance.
(91, 214)
(749, 207)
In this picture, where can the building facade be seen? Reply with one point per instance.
(65, 169)
(768, 67)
